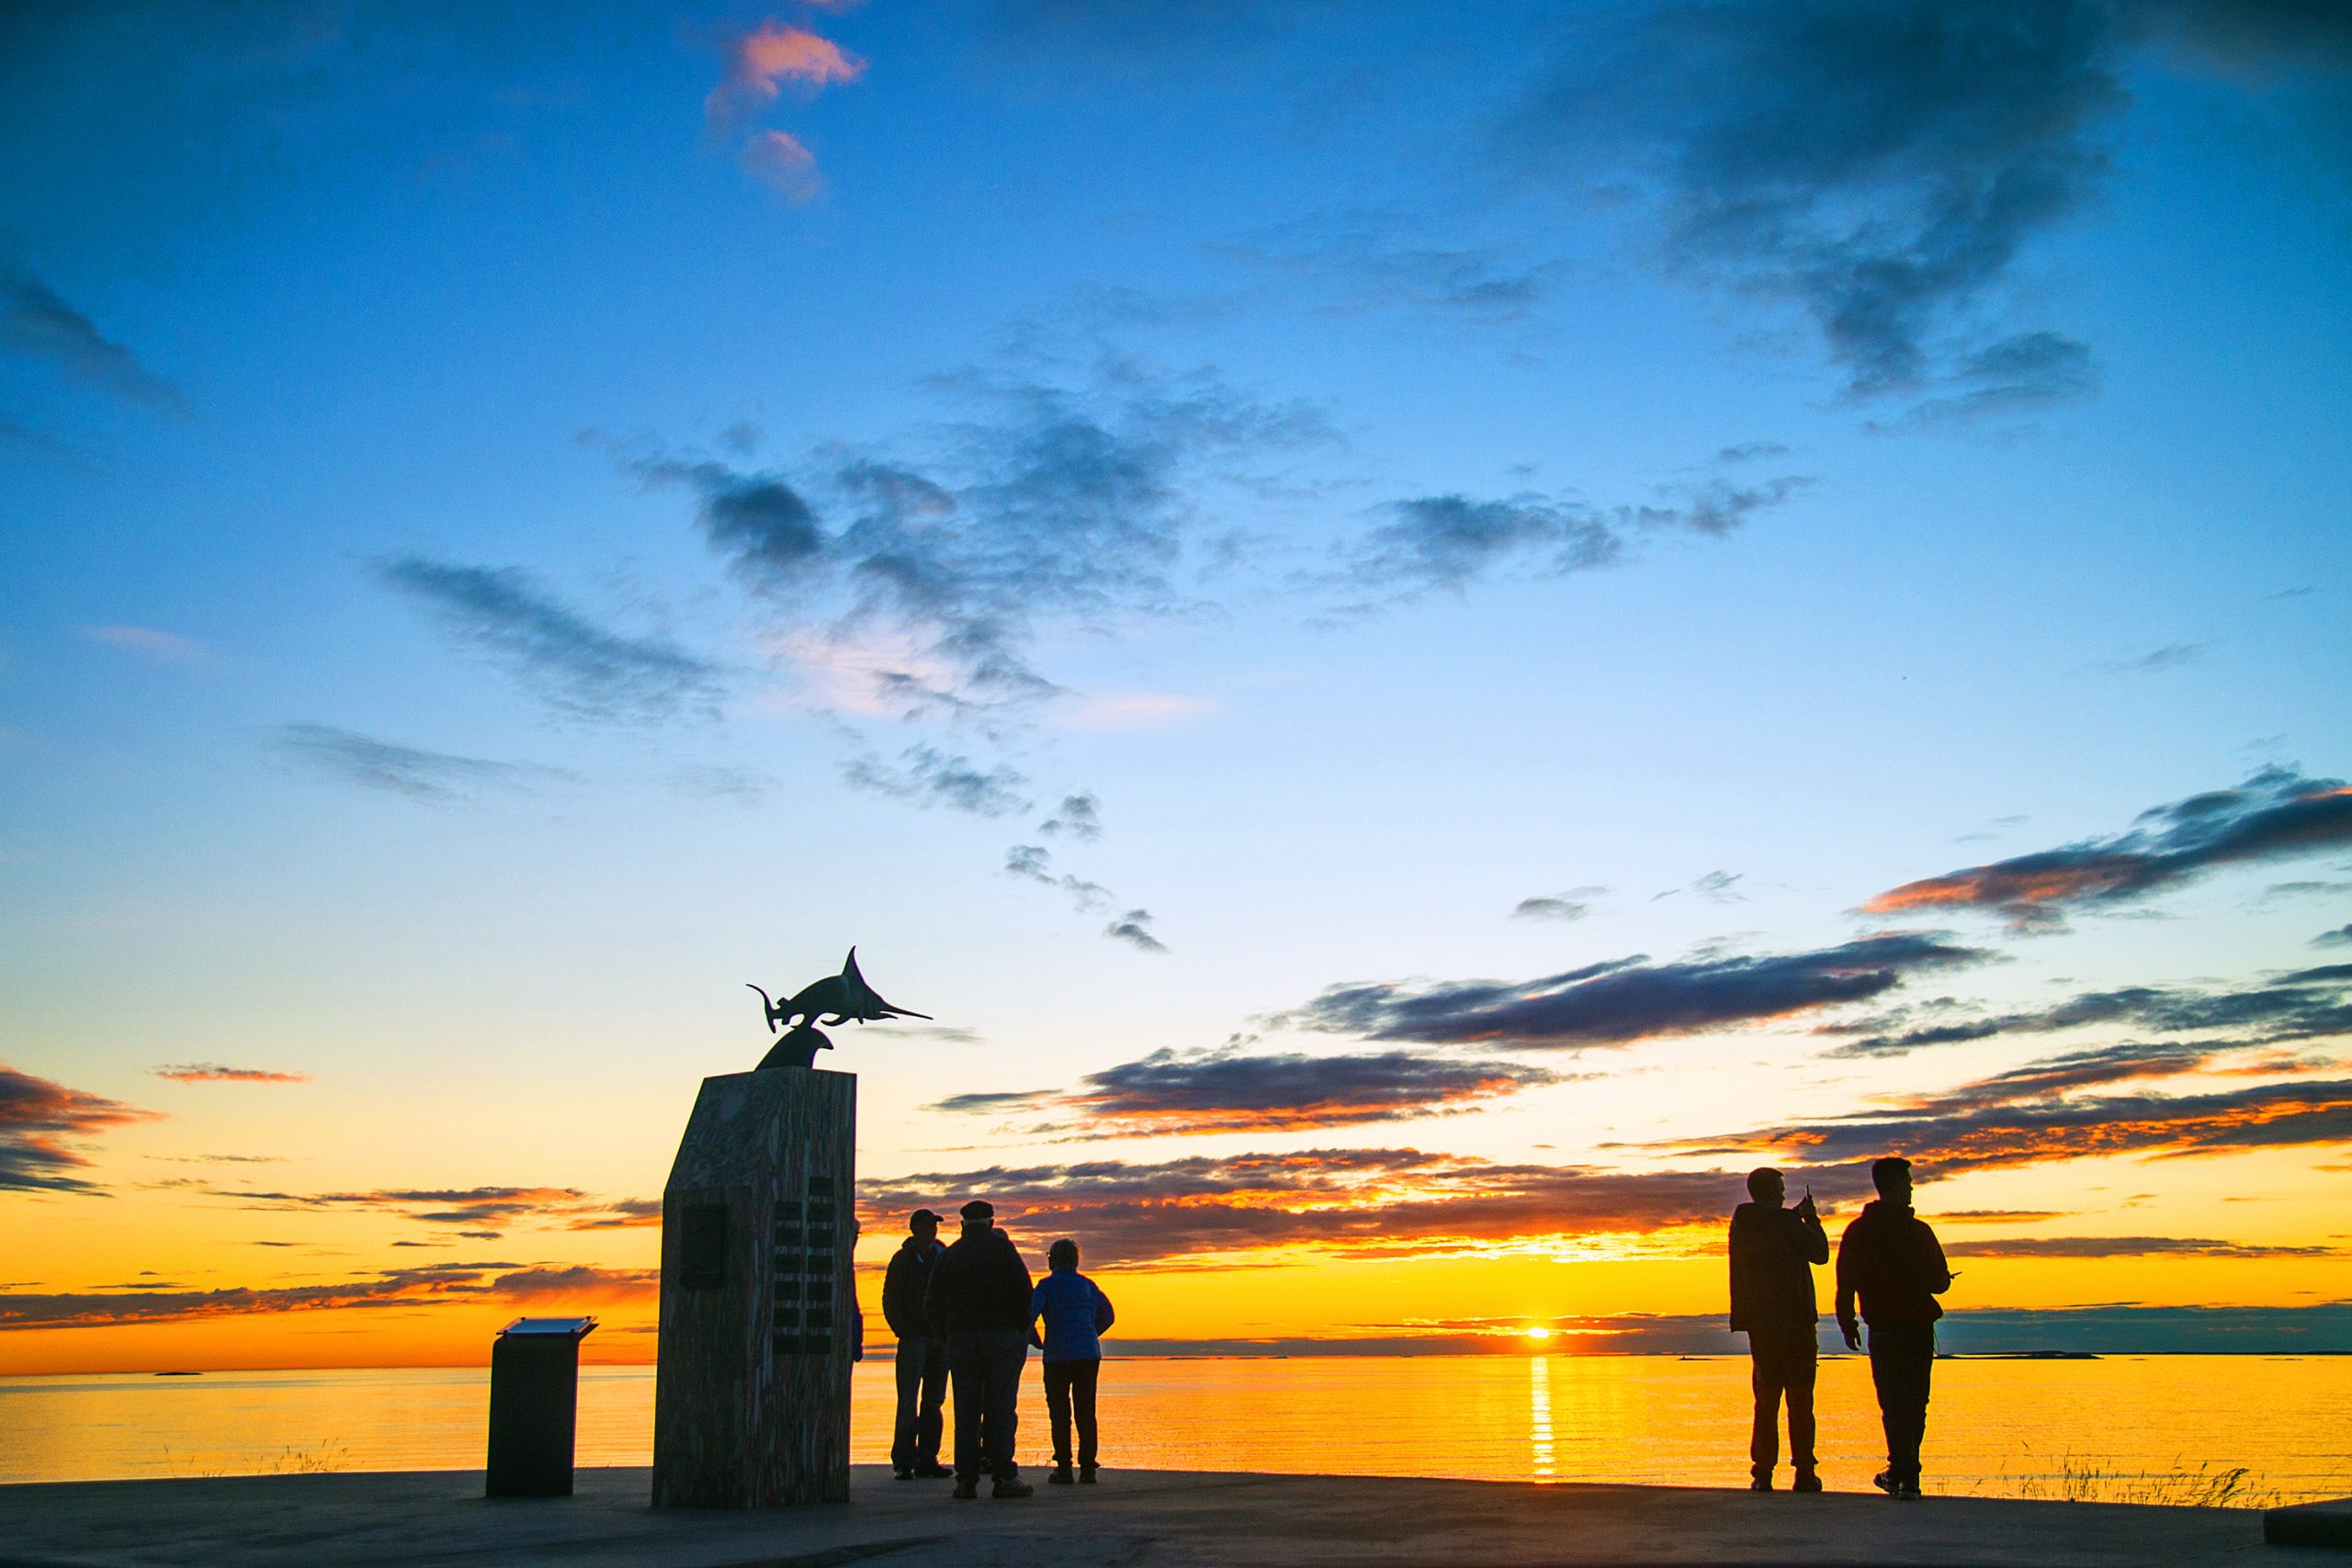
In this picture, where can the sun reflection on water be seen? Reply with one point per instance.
(1539, 1415)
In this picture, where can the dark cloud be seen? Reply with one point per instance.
(1042, 501)
(1228, 1090)
(1079, 817)
(403, 770)
(928, 776)
(1623, 1001)
(583, 668)
(1573, 905)
(37, 1117)
(1367, 261)
(2275, 815)
(2262, 39)
(1214, 1212)
(2126, 1246)
(2001, 1134)
(2340, 937)
(436, 1285)
(2300, 1005)
(1715, 887)
(1880, 165)
(1034, 863)
(213, 1072)
(485, 1209)
(36, 321)
(2171, 656)
(2014, 374)
(1450, 541)
(1134, 927)
(994, 1103)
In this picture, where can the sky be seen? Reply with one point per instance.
(1425, 632)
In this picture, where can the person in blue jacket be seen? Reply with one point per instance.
(1075, 1312)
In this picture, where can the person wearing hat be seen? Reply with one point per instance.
(923, 1355)
(978, 1303)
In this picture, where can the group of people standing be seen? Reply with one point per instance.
(966, 1314)
(1890, 1271)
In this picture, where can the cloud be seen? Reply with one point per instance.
(2012, 374)
(438, 1285)
(762, 63)
(2340, 937)
(213, 1072)
(1715, 887)
(1032, 863)
(2000, 1133)
(485, 1210)
(2127, 1246)
(169, 648)
(2299, 1005)
(2275, 815)
(1879, 165)
(779, 161)
(1039, 502)
(1134, 927)
(2171, 656)
(36, 1116)
(1364, 261)
(35, 321)
(580, 668)
(1626, 1000)
(1208, 1210)
(1573, 905)
(930, 777)
(1079, 817)
(1450, 541)
(403, 770)
(993, 1102)
(1225, 1090)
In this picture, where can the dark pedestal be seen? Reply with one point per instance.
(758, 1311)
(535, 1406)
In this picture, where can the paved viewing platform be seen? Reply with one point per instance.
(1139, 1517)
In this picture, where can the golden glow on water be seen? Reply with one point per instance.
(1996, 1428)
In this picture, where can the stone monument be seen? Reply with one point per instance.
(758, 1310)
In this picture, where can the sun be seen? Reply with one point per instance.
(1538, 1332)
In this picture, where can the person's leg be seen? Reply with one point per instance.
(1886, 1381)
(1764, 1428)
(1088, 1373)
(907, 1371)
(1901, 1357)
(1803, 1369)
(968, 1371)
(934, 1393)
(1923, 1371)
(1057, 1381)
(1007, 1355)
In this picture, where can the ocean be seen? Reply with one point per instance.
(2240, 1430)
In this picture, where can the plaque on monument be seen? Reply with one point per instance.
(758, 1310)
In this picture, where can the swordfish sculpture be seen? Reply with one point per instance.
(837, 999)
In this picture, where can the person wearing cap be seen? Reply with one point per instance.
(978, 1303)
(1075, 1313)
(923, 1355)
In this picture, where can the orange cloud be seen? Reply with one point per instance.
(213, 1072)
(436, 1285)
(35, 1113)
(779, 161)
(760, 63)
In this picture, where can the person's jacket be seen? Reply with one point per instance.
(904, 1284)
(1772, 1254)
(1075, 1311)
(1890, 1261)
(979, 1285)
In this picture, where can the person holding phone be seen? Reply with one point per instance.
(1773, 1250)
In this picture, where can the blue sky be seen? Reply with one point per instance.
(500, 550)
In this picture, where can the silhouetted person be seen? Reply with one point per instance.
(1075, 1312)
(1773, 1250)
(978, 1303)
(923, 1355)
(1891, 1259)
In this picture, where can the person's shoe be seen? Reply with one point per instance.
(1012, 1489)
(1060, 1477)
(934, 1470)
(1884, 1480)
(965, 1489)
(902, 1473)
(1086, 1476)
(1806, 1481)
(1908, 1491)
(1761, 1483)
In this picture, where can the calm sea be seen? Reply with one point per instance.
(2242, 1430)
